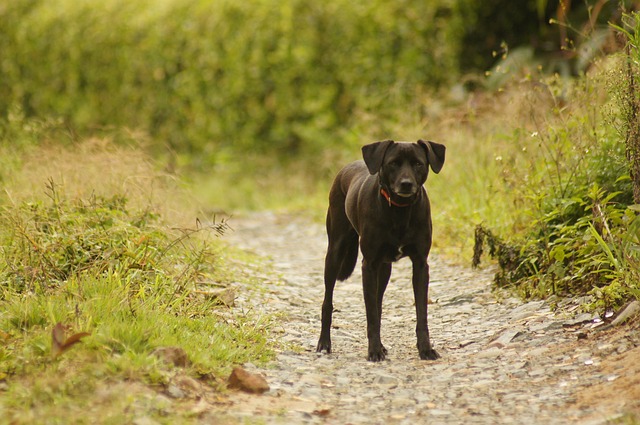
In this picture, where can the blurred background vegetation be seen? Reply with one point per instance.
(210, 79)
(257, 104)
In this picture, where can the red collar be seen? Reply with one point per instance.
(391, 201)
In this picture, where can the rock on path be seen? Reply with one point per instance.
(502, 361)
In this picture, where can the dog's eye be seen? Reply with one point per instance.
(417, 164)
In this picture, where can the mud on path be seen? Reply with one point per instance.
(502, 361)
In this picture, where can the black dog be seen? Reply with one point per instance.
(382, 203)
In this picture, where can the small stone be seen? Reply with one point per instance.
(465, 343)
(385, 380)
(538, 372)
(201, 407)
(490, 353)
(343, 380)
(172, 355)
(629, 311)
(537, 352)
(174, 391)
(526, 311)
(504, 338)
(580, 319)
(248, 382)
(225, 296)
(440, 412)
(187, 383)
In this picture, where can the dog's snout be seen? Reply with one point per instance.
(406, 186)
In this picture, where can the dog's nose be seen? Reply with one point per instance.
(406, 186)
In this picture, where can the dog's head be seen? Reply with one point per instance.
(403, 167)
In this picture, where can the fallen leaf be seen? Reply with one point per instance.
(5, 336)
(322, 412)
(59, 343)
(58, 335)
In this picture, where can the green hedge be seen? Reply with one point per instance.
(205, 76)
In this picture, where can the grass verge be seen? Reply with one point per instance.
(99, 281)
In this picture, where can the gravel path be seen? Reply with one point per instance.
(502, 361)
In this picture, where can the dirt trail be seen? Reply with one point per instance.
(502, 361)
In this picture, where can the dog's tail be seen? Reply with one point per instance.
(349, 259)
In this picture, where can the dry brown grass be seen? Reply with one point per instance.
(101, 168)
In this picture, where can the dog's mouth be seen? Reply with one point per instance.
(405, 194)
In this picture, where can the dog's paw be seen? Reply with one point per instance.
(376, 357)
(377, 354)
(323, 346)
(429, 354)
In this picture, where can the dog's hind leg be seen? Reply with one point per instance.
(340, 261)
(330, 274)
(347, 254)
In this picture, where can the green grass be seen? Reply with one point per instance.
(98, 254)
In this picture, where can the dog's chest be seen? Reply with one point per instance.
(398, 232)
(392, 253)
(400, 253)
(399, 241)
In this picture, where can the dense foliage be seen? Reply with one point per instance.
(205, 76)
(584, 237)
(284, 77)
(565, 34)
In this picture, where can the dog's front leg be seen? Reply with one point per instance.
(373, 293)
(421, 294)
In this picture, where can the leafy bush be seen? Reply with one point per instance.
(45, 246)
(206, 77)
(50, 244)
(567, 35)
(596, 254)
(584, 237)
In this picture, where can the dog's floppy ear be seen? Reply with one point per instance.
(435, 154)
(373, 154)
